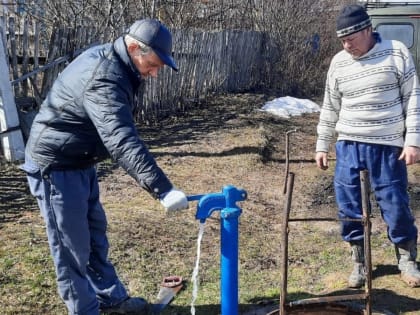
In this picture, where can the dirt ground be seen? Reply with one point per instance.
(228, 140)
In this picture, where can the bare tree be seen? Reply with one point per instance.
(103, 16)
(300, 35)
(301, 42)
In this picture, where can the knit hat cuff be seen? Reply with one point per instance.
(354, 28)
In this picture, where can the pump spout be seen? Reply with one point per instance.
(229, 222)
(218, 201)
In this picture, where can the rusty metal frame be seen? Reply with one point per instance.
(366, 296)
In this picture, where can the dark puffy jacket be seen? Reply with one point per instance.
(87, 117)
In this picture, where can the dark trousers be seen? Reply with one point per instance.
(388, 179)
(76, 229)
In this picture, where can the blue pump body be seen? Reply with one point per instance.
(225, 202)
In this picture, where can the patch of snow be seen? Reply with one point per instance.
(289, 106)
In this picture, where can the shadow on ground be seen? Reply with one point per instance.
(15, 197)
(268, 305)
(379, 303)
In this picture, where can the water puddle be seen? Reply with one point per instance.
(194, 277)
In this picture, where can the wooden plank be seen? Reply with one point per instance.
(11, 138)
(61, 42)
(25, 53)
(52, 54)
(13, 51)
(37, 38)
(3, 35)
(180, 59)
(34, 80)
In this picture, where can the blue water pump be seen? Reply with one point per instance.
(225, 202)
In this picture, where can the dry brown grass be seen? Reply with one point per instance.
(224, 141)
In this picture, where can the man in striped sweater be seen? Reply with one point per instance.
(372, 106)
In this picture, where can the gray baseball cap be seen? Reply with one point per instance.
(155, 35)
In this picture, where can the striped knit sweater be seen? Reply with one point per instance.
(372, 99)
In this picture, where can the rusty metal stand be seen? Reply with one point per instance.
(285, 305)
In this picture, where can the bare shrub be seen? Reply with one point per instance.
(301, 43)
(300, 35)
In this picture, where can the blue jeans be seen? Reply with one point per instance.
(388, 180)
(76, 229)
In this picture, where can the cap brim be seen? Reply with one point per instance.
(167, 60)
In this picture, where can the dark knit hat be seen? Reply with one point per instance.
(353, 18)
(154, 34)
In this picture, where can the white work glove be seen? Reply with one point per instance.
(174, 200)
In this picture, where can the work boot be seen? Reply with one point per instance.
(132, 305)
(406, 255)
(357, 278)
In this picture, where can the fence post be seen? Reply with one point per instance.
(11, 138)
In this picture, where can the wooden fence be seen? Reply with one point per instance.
(37, 53)
(209, 62)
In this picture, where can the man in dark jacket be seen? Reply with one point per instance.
(86, 118)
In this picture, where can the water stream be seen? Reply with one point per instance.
(194, 277)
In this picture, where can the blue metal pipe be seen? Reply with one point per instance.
(229, 261)
(229, 240)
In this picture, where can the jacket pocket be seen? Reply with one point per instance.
(33, 175)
